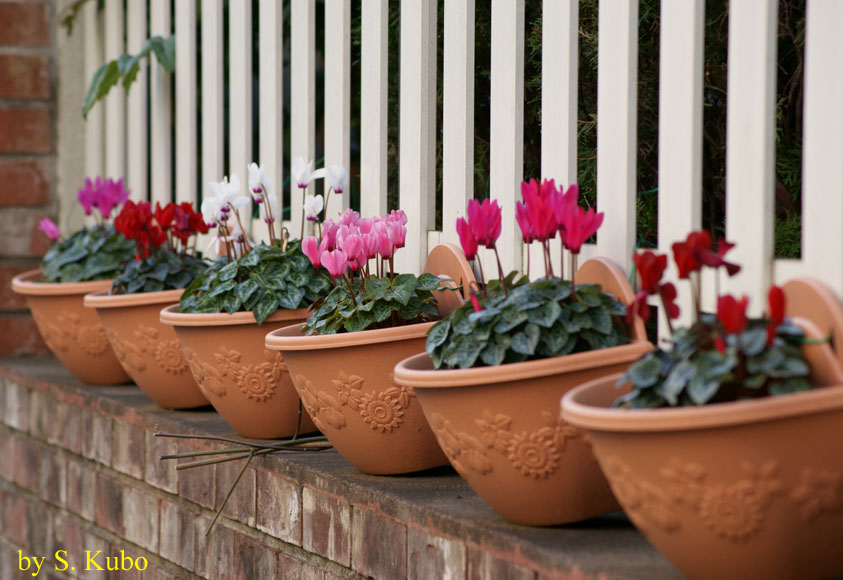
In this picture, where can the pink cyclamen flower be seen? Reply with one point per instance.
(397, 233)
(485, 221)
(352, 245)
(87, 196)
(467, 239)
(350, 218)
(475, 302)
(370, 242)
(111, 194)
(335, 262)
(365, 225)
(385, 247)
(398, 215)
(537, 209)
(310, 248)
(579, 226)
(49, 227)
(562, 203)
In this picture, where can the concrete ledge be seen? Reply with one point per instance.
(80, 468)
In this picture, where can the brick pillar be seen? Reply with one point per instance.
(27, 157)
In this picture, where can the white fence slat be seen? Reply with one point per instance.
(822, 149)
(137, 119)
(240, 90)
(303, 96)
(560, 64)
(617, 146)
(750, 145)
(373, 107)
(417, 128)
(271, 68)
(115, 101)
(338, 94)
(457, 114)
(680, 131)
(506, 154)
(161, 112)
(213, 148)
(186, 137)
(94, 136)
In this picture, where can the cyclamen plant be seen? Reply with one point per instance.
(359, 255)
(511, 319)
(96, 252)
(258, 278)
(722, 357)
(165, 244)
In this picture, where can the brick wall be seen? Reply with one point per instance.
(79, 470)
(27, 157)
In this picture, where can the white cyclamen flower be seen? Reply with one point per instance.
(258, 180)
(232, 194)
(313, 206)
(337, 178)
(303, 173)
(271, 200)
(211, 208)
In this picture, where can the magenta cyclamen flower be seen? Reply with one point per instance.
(310, 248)
(335, 262)
(467, 239)
(111, 194)
(579, 226)
(537, 210)
(49, 227)
(485, 221)
(87, 196)
(562, 203)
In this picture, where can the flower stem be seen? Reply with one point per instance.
(303, 196)
(500, 271)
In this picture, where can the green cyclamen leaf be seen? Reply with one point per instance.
(645, 372)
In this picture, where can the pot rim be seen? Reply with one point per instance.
(103, 299)
(599, 418)
(406, 375)
(290, 338)
(171, 317)
(24, 285)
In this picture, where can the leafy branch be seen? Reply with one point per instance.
(126, 67)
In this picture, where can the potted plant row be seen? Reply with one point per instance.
(341, 359)
(496, 367)
(250, 289)
(83, 262)
(165, 263)
(727, 440)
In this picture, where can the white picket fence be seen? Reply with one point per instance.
(116, 134)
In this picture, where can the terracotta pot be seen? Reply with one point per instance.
(148, 350)
(345, 381)
(749, 489)
(247, 384)
(72, 332)
(501, 431)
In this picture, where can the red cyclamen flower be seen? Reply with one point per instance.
(650, 267)
(638, 307)
(667, 291)
(715, 258)
(732, 313)
(776, 300)
(689, 254)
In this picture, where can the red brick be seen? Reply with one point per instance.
(24, 76)
(94, 543)
(38, 528)
(378, 545)
(215, 553)
(7, 452)
(97, 430)
(127, 451)
(24, 24)
(25, 130)
(434, 556)
(279, 507)
(108, 512)
(241, 504)
(23, 239)
(19, 336)
(25, 182)
(140, 518)
(41, 413)
(9, 300)
(27, 463)
(326, 526)
(13, 517)
(178, 533)
(161, 474)
(254, 560)
(67, 428)
(16, 405)
(52, 484)
(484, 565)
(81, 489)
(68, 536)
(197, 484)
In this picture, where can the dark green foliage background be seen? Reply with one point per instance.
(163, 270)
(96, 253)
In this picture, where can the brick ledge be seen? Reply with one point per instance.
(312, 503)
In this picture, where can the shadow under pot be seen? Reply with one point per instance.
(148, 350)
(500, 425)
(748, 489)
(248, 385)
(72, 332)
